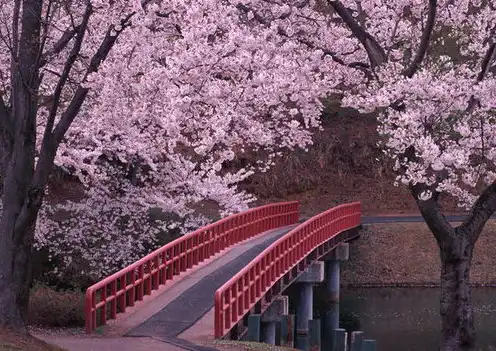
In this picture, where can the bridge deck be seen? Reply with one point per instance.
(189, 299)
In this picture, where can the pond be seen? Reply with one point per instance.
(403, 317)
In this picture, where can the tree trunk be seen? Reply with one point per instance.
(15, 274)
(458, 331)
(17, 226)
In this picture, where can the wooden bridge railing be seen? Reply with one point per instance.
(240, 294)
(105, 299)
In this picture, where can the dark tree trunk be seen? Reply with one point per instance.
(21, 203)
(457, 318)
(23, 186)
(456, 246)
(15, 271)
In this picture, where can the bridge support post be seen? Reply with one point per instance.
(272, 316)
(313, 274)
(315, 335)
(287, 330)
(269, 333)
(254, 327)
(333, 262)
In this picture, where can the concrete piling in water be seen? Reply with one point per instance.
(277, 327)
(272, 316)
(254, 327)
(369, 345)
(269, 333)
(340, 338)
(333, 261)
(330, 322)
(288, 330)
(305, 308)
(356, 341)
(314, 335)
(313, 274)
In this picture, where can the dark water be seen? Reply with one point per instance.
(404, 319)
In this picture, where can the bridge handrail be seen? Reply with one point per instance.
(131, 283)
(238, 295)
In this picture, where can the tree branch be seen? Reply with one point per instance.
(60, 45)
(67, 70)
(81, 93)
(483, 209)
(489, 58)
(424, 41)
(15, 29)
(5, 135)
(430, 210)
(376, 53)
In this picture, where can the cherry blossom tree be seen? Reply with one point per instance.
(432, 80)
(428, 69)
(144, 102)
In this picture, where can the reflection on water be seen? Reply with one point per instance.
(409, 317)
(403, 318)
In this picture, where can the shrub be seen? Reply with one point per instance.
(51, 308)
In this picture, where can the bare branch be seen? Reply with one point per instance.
(46, 25)
(424, 41)
(67, 70)
(430, 210)
(60, 45)
(5, 129)
(489, 58)
(376, 53)
(357, 65)
(361, 14)
(80, 95)
(393, 34)
(14, 45)
(15, 29)
(483, 209)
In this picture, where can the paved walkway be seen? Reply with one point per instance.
(83, 343)
(187, 308)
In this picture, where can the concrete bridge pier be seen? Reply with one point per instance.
(279, 307)
(269, 333)
(333, 261)
(313, 274)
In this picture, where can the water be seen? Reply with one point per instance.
(404, 318)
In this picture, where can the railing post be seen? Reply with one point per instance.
(89, 311)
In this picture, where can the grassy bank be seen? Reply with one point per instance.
(403, 254)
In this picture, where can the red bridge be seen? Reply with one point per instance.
(209, 282)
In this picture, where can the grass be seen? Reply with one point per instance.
(11, 341)
(407, 253)
(231, 345)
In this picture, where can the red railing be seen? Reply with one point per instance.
(237, 296)
(113, 294)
